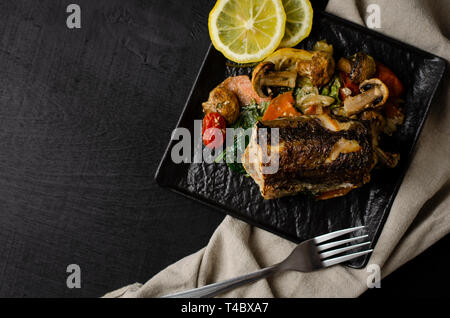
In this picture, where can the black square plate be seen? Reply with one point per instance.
(300, 217)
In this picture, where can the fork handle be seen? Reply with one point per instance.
(221, 287)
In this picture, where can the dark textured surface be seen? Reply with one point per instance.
(85, 116)
(302, 217)
(83, 124)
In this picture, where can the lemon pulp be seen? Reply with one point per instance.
(299, 19)
(247, 31)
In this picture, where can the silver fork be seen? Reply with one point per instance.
(308, 256)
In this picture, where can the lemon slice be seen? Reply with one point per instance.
(299, 19)
(247, 31)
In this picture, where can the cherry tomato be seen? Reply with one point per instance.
(214, 129)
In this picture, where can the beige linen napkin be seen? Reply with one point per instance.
(419, 217)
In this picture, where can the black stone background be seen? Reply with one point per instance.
(85, 116)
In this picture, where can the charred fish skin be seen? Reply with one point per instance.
(307, 162)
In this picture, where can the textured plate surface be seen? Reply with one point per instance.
(300, 217)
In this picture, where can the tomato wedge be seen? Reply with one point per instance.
(281, 106)
(396, 88)
(347, 83)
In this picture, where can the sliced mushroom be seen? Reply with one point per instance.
(264, 77)
(287, 59)
(317, 65)
(373, 95)
(359, 67)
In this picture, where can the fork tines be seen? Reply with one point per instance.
(326, 250)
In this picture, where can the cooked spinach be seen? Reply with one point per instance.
(248, 117)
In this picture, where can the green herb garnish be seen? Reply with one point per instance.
(248, 117)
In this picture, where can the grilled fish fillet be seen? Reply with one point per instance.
(316, 154)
